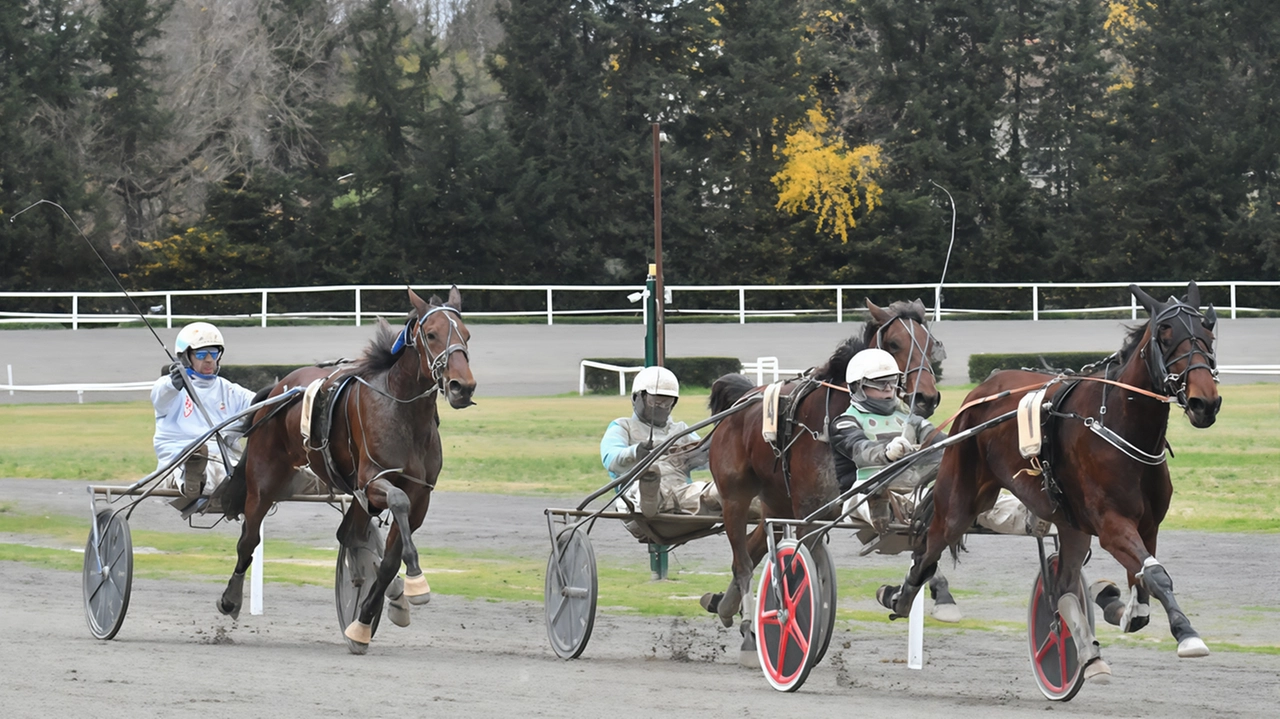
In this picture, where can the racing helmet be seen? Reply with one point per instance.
(195, 336)
(872, 364)
(656, 380)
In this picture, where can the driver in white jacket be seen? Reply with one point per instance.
(179, 421)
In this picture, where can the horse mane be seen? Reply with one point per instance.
(833, 370)
(378, 357)
(1132, 342)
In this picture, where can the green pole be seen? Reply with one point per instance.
(651, 317)
(657, 552)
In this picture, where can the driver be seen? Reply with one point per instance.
(179, 422)
(666, 486)
(878, 429)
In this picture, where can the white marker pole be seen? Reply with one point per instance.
(255, 582)
(915, 634)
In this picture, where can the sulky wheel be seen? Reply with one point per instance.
(786, 617)
(1054, 662)
(108, 574)
(570, 595)
(826, 609)
(354, 576)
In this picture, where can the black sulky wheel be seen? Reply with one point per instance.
(1054, 662)
(826, 608)
(570, 595)
(786, 620)
(354, 577)
(108, 574)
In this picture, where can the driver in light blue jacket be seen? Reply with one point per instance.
(179, 422)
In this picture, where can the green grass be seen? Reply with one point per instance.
(1226, 478)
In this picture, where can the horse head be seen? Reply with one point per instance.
(900, 330)
(441, 339)
(1179, 350)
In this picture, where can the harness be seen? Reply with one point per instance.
(328, 397)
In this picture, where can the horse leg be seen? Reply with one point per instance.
(1074, 547)
(1130, 616)
(747, 551)
(1131, 551)
(382, 494)
(257, 502)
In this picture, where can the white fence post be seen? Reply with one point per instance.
(75, 312)
(168, 310)
(839, 306)
(549, 312)
(1233, 300)
(742, 306)
(10, 379)
(264, 308)
(915, 634)
(357, 307)
(937, 303)
(1035, 303)
(1133, 307)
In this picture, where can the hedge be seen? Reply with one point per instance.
(256, 376)
(691, 371)
(982, 365)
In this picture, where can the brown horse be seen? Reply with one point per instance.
(383, 446)
(1101, 471)
(745, 466)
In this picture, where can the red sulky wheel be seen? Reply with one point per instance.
(787, 624)
(1054, 662)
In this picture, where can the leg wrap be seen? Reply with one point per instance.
(1073, 614)
(417, 589)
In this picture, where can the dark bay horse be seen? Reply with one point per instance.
(745, 467)
(1104, 471)
(383, 443)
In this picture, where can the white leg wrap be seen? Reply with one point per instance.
(417, 589)
(1147, 564)
(1073, 614)
(1132, 610)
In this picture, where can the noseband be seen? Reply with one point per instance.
(437, 363)
(1175, 385)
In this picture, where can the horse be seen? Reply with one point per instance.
(383, 446)
(803, 479)
(1101, 471)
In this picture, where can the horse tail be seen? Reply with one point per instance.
(917, 532)
(726, 390)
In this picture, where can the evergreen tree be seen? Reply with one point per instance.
(43, 68)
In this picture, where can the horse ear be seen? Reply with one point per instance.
(877, 314)
(1193, 294)
(1210, 318)
(1150, 303)
(455, 298)
(418, 303)
(918, 305)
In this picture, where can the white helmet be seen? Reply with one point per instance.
(656, 380)
(875, 364)
(197, 335)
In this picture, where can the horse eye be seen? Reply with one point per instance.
(431, 335)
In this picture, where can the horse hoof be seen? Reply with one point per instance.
(1192, 647)
(949, 613)
(228, 610)
(398, 611)
(417, 590)
(711, 601)
(358, 637)
(1097, 672)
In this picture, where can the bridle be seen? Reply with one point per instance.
(438, 362)
(930, 351)
(1179, 314)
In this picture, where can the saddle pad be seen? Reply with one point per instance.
(308, 399)
(1030, 437)
(769, 413)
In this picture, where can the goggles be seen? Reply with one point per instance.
(206, 354)
(660, 400)
(887, 383)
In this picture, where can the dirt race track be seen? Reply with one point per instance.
(176, 657)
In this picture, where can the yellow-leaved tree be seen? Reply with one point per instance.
(821, 174)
